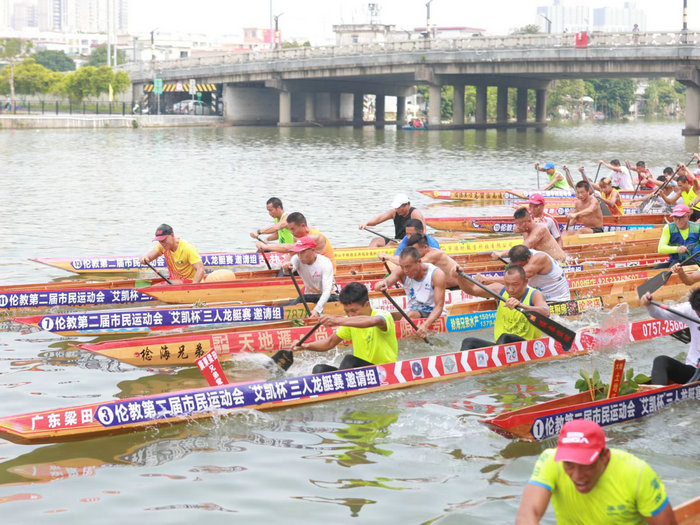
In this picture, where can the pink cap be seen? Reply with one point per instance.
(536, 198)
(580, 441)
(304, 243)
(679, 210)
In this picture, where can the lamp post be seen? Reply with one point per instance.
(684, 35)
(276, 38)
(153, 45)
(427, 18)
(549, 24)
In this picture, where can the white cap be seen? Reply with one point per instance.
(399, 200)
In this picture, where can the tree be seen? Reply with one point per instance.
(93, 81)
(30, 78)
(13, 50)
(98, 57)
(616, 93)
(54, 60)
(530, 29)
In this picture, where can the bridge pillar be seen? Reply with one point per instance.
(521, 110)
(380, 111)
(334, 107)
(541, 107)
(358, 106)
(458, 106)
(502, 105)
(481, 100)
(692, 110)
(249, 105)
(346, 106)
(400, 111)
(285, 108)
(434, 103)
(309, 109)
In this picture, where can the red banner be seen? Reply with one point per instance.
(616, 379)
(211, 369)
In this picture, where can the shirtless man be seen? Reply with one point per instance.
(535, 236)
(587, 212)
(436, 257)
(536, 207)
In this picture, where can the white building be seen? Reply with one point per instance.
(563, 15)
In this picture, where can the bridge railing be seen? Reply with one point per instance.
(477, 43)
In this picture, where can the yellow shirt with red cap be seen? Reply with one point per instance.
(626, 492)
(180, 262)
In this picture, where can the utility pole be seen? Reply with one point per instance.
(427, 18)
(276, 33)
(684, 36)
(549, 24)
(109, 33)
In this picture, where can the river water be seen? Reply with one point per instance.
(412, 456)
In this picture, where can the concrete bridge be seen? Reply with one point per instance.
(307, 86)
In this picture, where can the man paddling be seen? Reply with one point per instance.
(587, 211)
(317, 273)
(535, 236)
(610, 196)
(556, 179)
(181, 258)
(645, 178)
(413, 227)
(401, 211)
(424, 284)
(666, 370)
(688, 193)
(589, 483)
(436, 257)
(620, 179)
(535, 205)
(542, 272)
(511, 325)
(296, 222)
(680, 239)
(278, 230)
(372, 332)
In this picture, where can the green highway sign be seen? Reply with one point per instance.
(158, 86)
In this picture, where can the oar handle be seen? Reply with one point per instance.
(301, 295)
(308, 334)
(262, 252)
(482, 286)
(159, 274)
(597, 172)
(404, 314)
(504, 261)
(387, 239)
(674, 312)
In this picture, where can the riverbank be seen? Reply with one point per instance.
(105, 121)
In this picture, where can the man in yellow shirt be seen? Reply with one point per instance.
(182, 259)
(372, 332)
(591, 484)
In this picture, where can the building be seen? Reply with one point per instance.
(563, 16)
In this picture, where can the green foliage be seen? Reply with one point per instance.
(530, 29)
(93, 81)
(294, 43)
(30, 78)
(14, 49)
(54, 60)
(615, 93)
(659, 96)
(629, 385)
(98, 57)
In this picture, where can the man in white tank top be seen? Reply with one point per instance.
(424, 285)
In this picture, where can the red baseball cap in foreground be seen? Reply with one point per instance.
(304, 243)
(536, 198)
(580, 441)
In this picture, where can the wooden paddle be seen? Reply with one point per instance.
(674, 312)
(603, 207)
(569, 180)
(387, 239)
(301, 295)
(553, 329)
(262, 252)
(159, 274)
(660, 279)
(596, 173)
(537, 170)
(285, 358)
(404, 314)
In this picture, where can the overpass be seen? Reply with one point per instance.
(307, 86)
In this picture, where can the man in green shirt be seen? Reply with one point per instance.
(279, 229)
(556, 179)
(372, 332)
(591, 484)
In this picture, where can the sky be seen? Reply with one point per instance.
(313, 19)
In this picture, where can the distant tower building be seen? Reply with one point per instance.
(5, 12)
(52, 15)
(24, 15)
(616, 20)
(575, 18)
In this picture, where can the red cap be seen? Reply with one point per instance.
(536, 198)
(580, 441)
(679, 210)
(304, 243)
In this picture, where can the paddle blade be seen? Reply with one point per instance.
(654, 283)
(553, 329)
(283, 359)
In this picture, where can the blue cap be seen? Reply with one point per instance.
(549, 166)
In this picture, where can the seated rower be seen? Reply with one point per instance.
(610, 196)
(424, 285)
(372, 332)
(542, 272)
(437, 257)
(511, 325)
(400, 212)
(535, 236)
(535, 203)
(681, 238)
(317, 273)
(687, 194)
(645, 179)
(587, 211)
(556, 179)
(182, 259)
(278, 231)
(666, 370)
(413, 227)
(620, 179)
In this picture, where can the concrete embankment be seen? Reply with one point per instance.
(104, 121)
